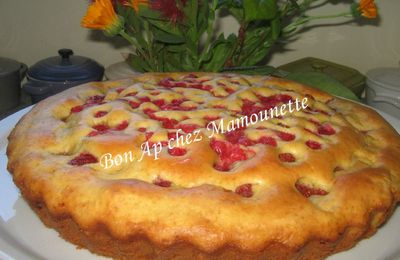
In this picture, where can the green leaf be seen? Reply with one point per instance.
(166, 37)
(172, 62)
(276, 28)
(256, 46)
(186, 62)
(238, 13)
(165, 26)
(221, 51)
(202, 18)
(323, 82)
(191, 12)
(150, 13)
(259, 9)
(138, 63)
(254, 38)
(234, 7)
(230, 3)
(175, 48)
(256, 56)
(132, 19)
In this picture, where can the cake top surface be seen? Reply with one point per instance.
(220, 149)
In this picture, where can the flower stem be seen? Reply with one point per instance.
(149, 36)
(344, 14)
(135, 43)
(305, 19)
(211, 23)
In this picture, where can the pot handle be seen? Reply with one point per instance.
(22, 71)
(30, 89)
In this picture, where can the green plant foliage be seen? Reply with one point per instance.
(259, 9)
(181, 35)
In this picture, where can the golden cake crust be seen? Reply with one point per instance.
(340, 183)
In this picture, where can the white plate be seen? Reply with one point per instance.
(23, 236)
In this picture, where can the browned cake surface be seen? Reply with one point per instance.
(303, 185)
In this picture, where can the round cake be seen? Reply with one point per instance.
(206, 166)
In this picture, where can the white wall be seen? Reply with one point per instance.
(31, 30)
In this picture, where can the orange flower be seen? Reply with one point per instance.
(368, 8)
(135, 4)
(101, 16)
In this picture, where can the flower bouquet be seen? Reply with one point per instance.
(180, 35)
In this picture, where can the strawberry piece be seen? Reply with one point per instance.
(249, 108)
(177, 102)
(144, 99)
(287, 157)
(203, 87)
(187, 128)
(267, 140)
(162, 183)
(95, 133)
(100, 130)
(287, 137)
(228, 154)
(326, 129)
(149, 112)
(245, 190)
(101, 127)
(142, 129)
(166, 82)
(180, 84)
(274, 100)
(174, 105)
(123, 125)
(100, 114)
(229, 90)
(97, 99)
(309, 191)
(148, 135)
(159, 102)
(219, 106)
(133, 104)
(171, 135)
(77, 109)
(168, 123)
(313, 145)
(211, 118)
(132, 94)
(90, 101)
(177, 151)
(238, 137)
(82, 159)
